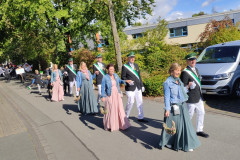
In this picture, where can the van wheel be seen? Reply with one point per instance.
(236, 89)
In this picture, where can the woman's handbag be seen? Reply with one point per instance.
(176, 110)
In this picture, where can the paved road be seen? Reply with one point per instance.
(68, 136)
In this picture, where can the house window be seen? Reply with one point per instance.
(135, 36)
(178, 32)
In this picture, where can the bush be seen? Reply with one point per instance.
(84, 55)
(163, 60)
(154, 85)
(109, 57)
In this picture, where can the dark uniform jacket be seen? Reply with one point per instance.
(128, 75)
(194, 94)
(99, 76)
(71, 75)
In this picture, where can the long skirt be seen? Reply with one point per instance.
(88, 102)
(185, 137)
(57, 91)
(115, 118)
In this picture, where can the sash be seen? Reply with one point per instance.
(100, 70)
(132, 70)
(71, 69)
(193, 76)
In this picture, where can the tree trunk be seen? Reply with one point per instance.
(115, 36)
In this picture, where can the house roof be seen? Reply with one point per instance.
(187, 22)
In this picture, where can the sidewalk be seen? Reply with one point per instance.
(15, 140)
(29, 134)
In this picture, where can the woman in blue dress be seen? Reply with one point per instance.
(175, 98)
(88, 102)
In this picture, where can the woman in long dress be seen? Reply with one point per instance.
(114, 117)
(88, 102)
(56, 82)
(175, 98)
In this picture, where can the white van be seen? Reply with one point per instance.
(219, 67)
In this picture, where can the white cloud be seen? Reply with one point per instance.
(163, 7)
(207, 2)
(178, 15)
(238, 7)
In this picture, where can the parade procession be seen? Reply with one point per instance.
(111, 80)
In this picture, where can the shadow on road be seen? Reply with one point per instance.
(148, 140)
(70, 107)
(95, 120)
(224, 103)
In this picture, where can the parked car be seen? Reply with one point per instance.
(219, 67)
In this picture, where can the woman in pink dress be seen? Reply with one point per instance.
(114, 117)
(56, 82)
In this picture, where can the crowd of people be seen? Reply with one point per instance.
(11, 70)
(182, 96)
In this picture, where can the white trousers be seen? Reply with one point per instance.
(137, 94)
(99, 93)
(39, 88)
(199, 108)
(71, 84)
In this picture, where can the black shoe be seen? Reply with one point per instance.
(71, 95)
(142, 120)
(202, 134)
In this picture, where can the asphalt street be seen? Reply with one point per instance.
(60, 133)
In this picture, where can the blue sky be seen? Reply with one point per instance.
(174, 9)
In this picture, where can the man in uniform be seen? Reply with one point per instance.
(71, 70)
(65, 81)
(194, 102)
(100, 71)
(130, 71)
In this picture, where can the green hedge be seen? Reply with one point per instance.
(154, 85)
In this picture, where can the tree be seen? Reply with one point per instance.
(119, 13)
(48, 23)
(152, 40)
(137, 24)
(219, 31)
(199, 14)
(115, 36)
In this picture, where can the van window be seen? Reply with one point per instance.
(226, 54)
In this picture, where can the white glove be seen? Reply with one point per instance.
(143, 89)
(132, 83)
(193, 85)
(93, 86)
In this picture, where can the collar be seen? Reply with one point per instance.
(174, 80)
(131, 63)
(192, 68)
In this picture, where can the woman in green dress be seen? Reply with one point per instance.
(183, 136)
(88, 102)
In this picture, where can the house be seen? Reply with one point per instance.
(184, 32)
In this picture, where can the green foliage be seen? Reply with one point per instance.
(225, 35)
(109, 57)
(33, 29)
(151, 42)
(219, 32)
(84, 55)
(199, 14)
(137, 24)
(154, 85)
(154, 57)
